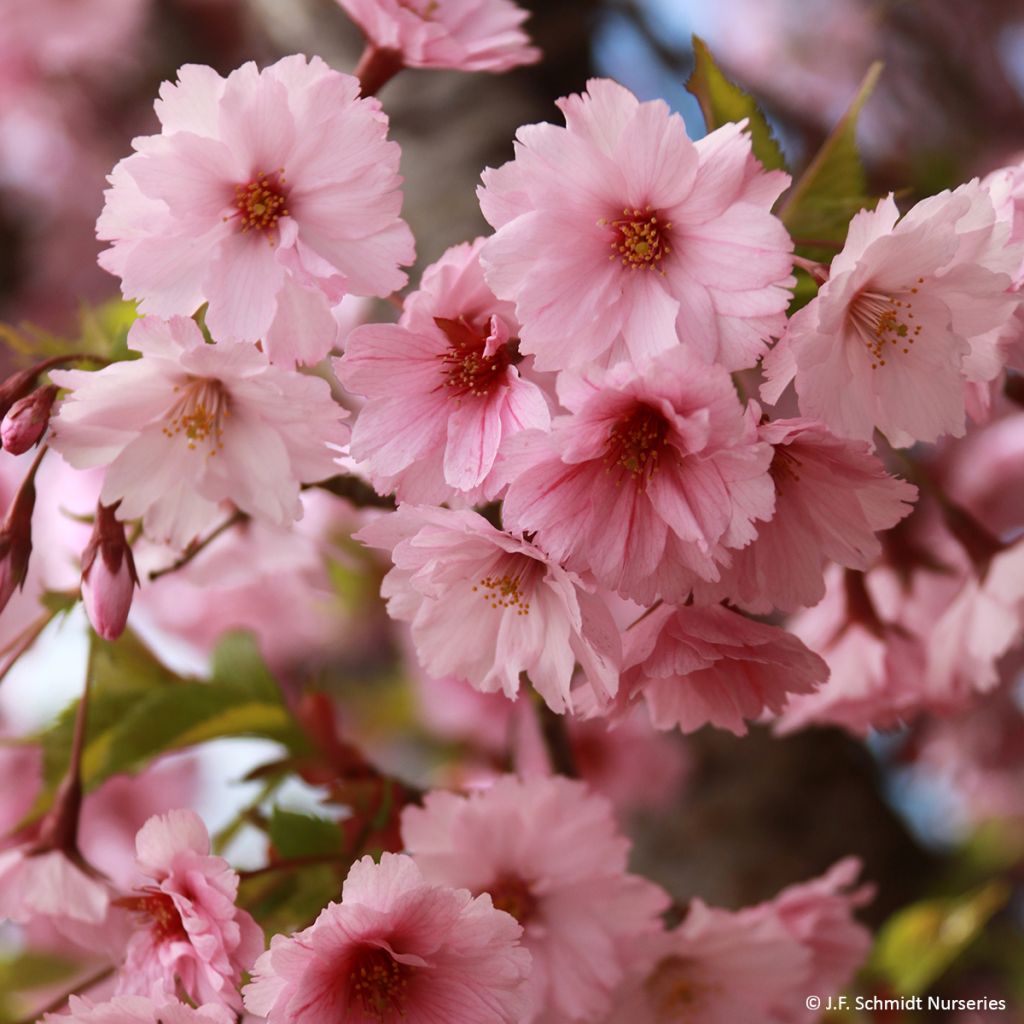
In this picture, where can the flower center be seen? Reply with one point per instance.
(885, 323)
(164, 919)
(673, 993)
(426, 11)
(640, 239)
(511, 894)
(509, 583)
(199, 414)
(262, 202)
(785, 467)
(636, 442)
(378, 984)
(471, 366)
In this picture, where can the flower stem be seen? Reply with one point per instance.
(194, 549)
(376, 67)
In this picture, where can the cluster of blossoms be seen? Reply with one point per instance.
(562, 460)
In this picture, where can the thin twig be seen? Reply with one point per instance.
(233, 520)
(61, 1001)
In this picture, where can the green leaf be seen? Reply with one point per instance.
(722, 101)
(304, 835)
(31, 969)
(833, 188)
(919, 943)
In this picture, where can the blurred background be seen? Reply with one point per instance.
(735, 820)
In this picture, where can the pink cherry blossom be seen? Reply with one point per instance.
(649, 483)
(442, 385)
(189, 930)
(467, 35)
(547, 851)
(486, 606)
(190, 425)
(694, 666)
(911, 313)
(50, 885)
(270, 195)
(139, 1010)
(831, 498)
(1006, 188)
(397, 949)
(617, 237)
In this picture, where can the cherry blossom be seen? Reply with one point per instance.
(617, 237)
(648, 483)
(269, 195)
(694, 666)
(189, 930)
(467, 35)
(139, 1010)
(548, 852)
(397, 949)
(443, 388)
(190, 425)
(911, 313)
(486, 606)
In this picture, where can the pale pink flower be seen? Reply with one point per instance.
(397, 949)
(50, 885)
(442, 387)
(486, 606)
(831, 498)
(649, 483)
(717, 967)
(1006, 187)
(696, 666)
(617, 237)
(139, 1010)
(189, 930)
(467, 35)
(270, 195)
(548, 852)
(190, 425)
(911, 313)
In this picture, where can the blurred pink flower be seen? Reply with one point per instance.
(467, 35)
(139, 1010)
(397, 949)
(831, 497)
(617, 237)
(190, 425)
(698, 666)
(911, 313)
(649, 483)
(49, 885)
(190, 932)
(442, 385)
(486, 606)
(270, 195)
(547, 851)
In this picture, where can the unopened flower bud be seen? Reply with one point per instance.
(109, 578)
(27, 419)
(16, 541)
(16, 387)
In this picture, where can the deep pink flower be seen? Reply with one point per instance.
(618, 237)
(911, 313)
(548, 852)
(190, 932)
(190, 425)
(397, 949)
(139, 1010)
(442, 386)
(486, 606)
(270, 195)
(831, 497)
(694, 666)
(467, 35)
(649, 483)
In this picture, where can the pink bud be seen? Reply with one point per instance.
(27, 419)
(108, 575)
(16, 541)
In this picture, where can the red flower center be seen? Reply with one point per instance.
(885, 323)
(511, 894)
(378, 985)
(164, 919)
(640, 239)
(261, 202)
(467, 368)
(636, 444)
